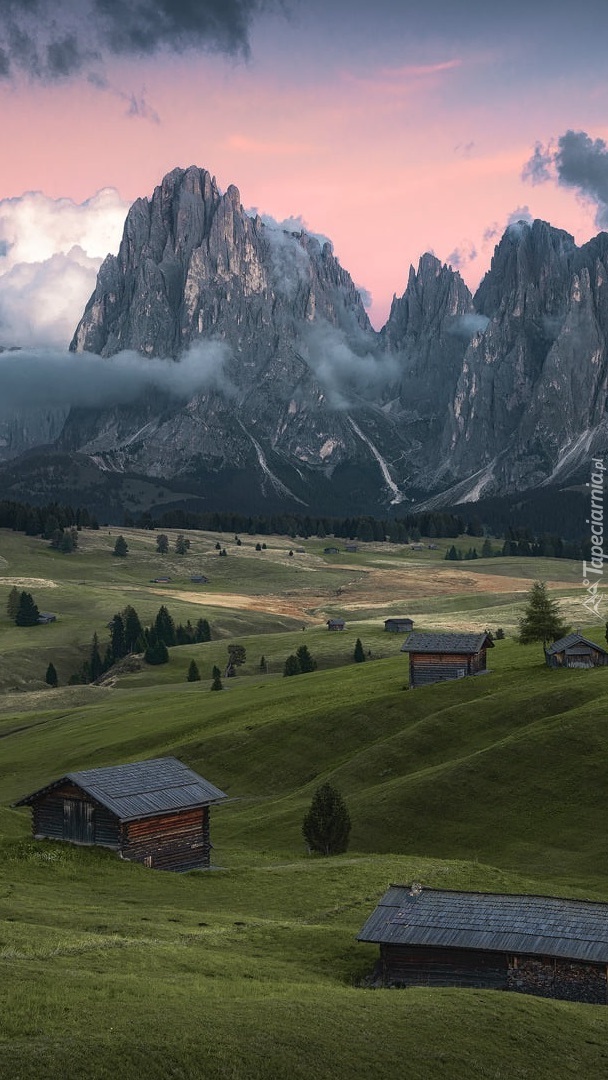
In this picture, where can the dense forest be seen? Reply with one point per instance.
(518, 540)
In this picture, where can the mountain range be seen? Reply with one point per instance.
(295, 400)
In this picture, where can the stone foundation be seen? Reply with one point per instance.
(566, 980)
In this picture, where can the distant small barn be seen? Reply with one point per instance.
(160, 580)
(531, 944)
(154, 812)
(438, 657)
(331, 551)
(46, 617)
(351, 548)
(335, 624)
(398, 625)
(575, 651)
(199, 579)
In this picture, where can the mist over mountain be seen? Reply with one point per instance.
(234, 359)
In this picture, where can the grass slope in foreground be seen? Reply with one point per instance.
(108, 969)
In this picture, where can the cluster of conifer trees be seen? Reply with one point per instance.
(128, 635)
(44, 520)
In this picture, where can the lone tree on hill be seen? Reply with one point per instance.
(51, 675)
(182, 545)
(542, 619)
(193, 672)
(162, 544)
(217, 681)
(121, 547)
(358, 655)
(27, 612)
(326, 826)
(237, 654)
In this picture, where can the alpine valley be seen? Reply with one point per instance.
(300, 403)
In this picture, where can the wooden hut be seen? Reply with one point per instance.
(335, 624)
(437, 657)
(575, 651)
(531, 944)
(331, 550)
(398, 625)
(155, 812)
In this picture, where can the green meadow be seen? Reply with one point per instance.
(252, 970)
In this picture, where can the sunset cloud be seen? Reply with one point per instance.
(50, 252)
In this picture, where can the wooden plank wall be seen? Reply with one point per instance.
(172, 842)
(405, 965)
(48, 817)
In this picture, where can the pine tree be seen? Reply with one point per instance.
(305, 660)
(121, 547)
(162, 544)
(358, 655)
(193, 672)
(156, 654)
(27, 612)
(541, 620)
(291, 666)
(217, 681)
(326, 826)
(95, 661)
(118, 643)
(216, 673)
(14, 596)
(134, 631)
(263, 665)
(51, 676)
(165, 627)
(487, 550)
(182, 545)
(202, 631)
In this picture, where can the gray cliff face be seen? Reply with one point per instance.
(428, 330)
(193, 266)
(531, 399)
(304, 403)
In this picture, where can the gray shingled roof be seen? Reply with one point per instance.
(141, 788)
(536, 925)
(573, 639)
(421, 642)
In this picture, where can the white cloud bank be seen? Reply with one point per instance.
(50, 252)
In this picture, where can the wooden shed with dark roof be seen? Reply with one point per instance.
(154, 812)
(399, 624)
(437, 657)
(539, 945)
(575, 651)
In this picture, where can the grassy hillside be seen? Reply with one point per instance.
(252, 971)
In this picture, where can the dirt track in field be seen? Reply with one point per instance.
(370, 589)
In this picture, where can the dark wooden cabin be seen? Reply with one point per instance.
(531, 944)
(399, 625)
(335, 624)
(154, 812)
(437, 657)
(331, 550)
(575, 651)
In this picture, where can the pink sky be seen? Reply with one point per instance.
(389, 155)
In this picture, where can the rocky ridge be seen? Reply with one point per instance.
(302, 403)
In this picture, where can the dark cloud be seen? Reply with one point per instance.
(55, 379)
(577, 161)
(54, 40)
